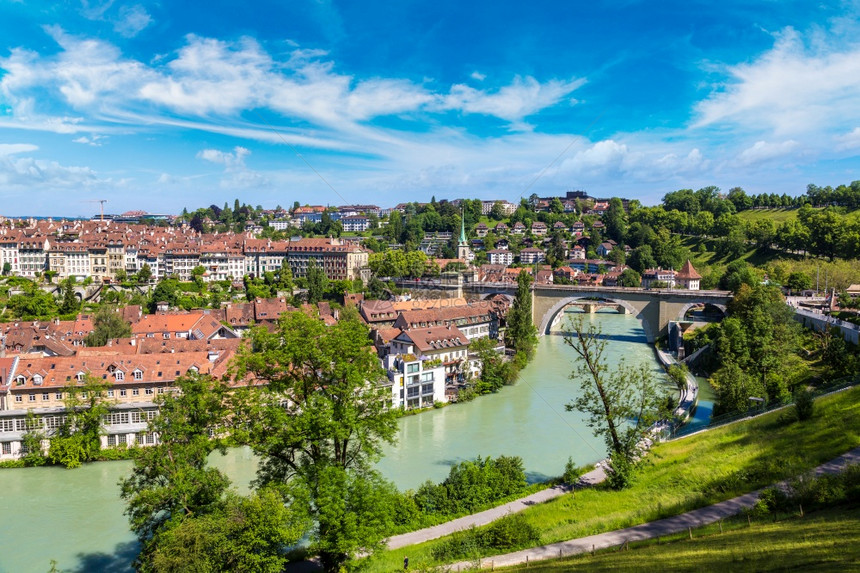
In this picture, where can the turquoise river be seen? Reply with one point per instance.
(76, 516)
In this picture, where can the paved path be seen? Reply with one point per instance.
(651, 530)
(591, 478)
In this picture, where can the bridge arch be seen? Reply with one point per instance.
(687, 307)
(549, 317)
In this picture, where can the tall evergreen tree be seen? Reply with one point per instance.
(522, 334)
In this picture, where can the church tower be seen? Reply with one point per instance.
(463, 250)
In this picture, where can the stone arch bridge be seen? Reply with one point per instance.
(656, 308)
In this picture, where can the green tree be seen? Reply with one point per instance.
(70, 303)
(31, 441)
(521, 333)
(78, 439)
(319, 425)
(144, 274)
(34, 303)
(495, 371)
(171, 480)
(317, 282)
(798, 281)
(621, 405)
(167, 291)
(108, 324)
(241, 534)
(629, 278)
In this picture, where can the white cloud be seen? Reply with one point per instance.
(850, 140)
(29, 173)
(229, 160)
(15, 148)
(93, 140)
(762, 151)
(133, 20)
(476, 75)
(523, 97)
(790, 89)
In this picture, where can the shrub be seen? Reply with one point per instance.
(572, 473)
(804, 403)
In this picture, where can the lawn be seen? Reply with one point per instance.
(689, 473)
(822, 541)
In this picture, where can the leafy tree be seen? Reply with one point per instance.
(34, 303)
(641, 259)
(497, 213)
(629, 278)
(317, 281)
(78, 439)
(319, 425)
(521, 333)
(108, 324)
(168, 291)
(621, 405)
(799, 281)
(495, 371)
(171, 480)
(241, 534)
(144, 274)
(121, 275)
(7, 268)
(31, 441)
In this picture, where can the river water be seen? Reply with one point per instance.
(76, 517)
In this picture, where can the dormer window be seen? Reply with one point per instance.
(138, 375)
(20, 380)
(80, 376)
(37, 380)
(120, 375)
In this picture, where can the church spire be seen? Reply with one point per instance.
(462, 228)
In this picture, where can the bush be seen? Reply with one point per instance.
(804, 403)
(619, 474)
(472, 484)
(572, 473)
(509, 532)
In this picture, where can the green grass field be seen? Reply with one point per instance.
(776, 215)
(689, 473)
(821, 541)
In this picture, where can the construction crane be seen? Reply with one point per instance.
(101, 206)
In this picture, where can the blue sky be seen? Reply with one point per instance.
(164, 105)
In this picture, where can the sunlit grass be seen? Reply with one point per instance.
(820, 541)
(690, 473)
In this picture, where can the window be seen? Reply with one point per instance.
(20, 381)
(149, 391)
(137, 417)
(58, 395)
(120, 375)
(19, 398)
(427, 389)
(123, 393)
(427, 377)
(32, 397)
(135, 392)
(412, 392)
(122, 439)
(110, 393)
(138, 375)
(412, 368)
(79, 376)
(111, 440)
(7, 448)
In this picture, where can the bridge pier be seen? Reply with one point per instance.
(622, 309)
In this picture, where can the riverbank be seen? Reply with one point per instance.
(707, 468)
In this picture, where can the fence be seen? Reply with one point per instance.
(832, 386)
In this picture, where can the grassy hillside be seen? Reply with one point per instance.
(776, 215)
(689, 473)
(821, 541)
